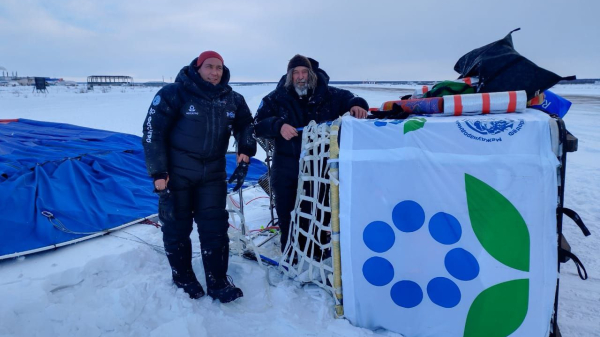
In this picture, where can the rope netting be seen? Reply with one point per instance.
(308, 257)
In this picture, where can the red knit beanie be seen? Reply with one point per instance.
(206, 55)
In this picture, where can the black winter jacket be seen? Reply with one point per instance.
(191, 120)
(282, 106)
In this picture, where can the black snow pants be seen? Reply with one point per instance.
(284, 180)
(285, 185)
(199, 194)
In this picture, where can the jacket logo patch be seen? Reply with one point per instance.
(156, 100)
(191, 111)
(230, 114)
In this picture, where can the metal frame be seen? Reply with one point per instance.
(108, 80)
(268, 145)
(566, 143)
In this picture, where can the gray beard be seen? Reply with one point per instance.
(301, 91)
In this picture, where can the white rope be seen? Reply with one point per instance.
(312, 207)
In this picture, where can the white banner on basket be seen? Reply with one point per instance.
(448, 225)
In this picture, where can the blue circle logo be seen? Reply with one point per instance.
(461, 264)
(156, 100)
(379, 236)
(443, 292)
(408, 216)
(378, 271)
(444, 228)
(406, 294)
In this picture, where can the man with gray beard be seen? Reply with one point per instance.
(302, 95)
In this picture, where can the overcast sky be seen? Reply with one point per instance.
(352, 40)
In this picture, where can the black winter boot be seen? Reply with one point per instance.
(180, 259)
(219, 284)
(189, 283)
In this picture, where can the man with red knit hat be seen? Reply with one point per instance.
(185, 138)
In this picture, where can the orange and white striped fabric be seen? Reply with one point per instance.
(485, 103)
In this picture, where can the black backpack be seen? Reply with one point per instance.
(501, 68)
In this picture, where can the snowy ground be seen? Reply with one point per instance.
(115, 286)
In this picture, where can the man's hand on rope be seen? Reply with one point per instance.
(288, 132)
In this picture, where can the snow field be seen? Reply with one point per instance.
(115, 286)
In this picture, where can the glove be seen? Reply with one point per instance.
(239, 174)
(166, 205)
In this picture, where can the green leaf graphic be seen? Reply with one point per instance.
(497, 224)
(414, 124)
(499, 310)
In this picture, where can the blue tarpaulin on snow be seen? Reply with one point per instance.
(90, 180)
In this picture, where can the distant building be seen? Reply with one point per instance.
(5, 75)
(109, 80)
(25, 80)
(153, 84)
